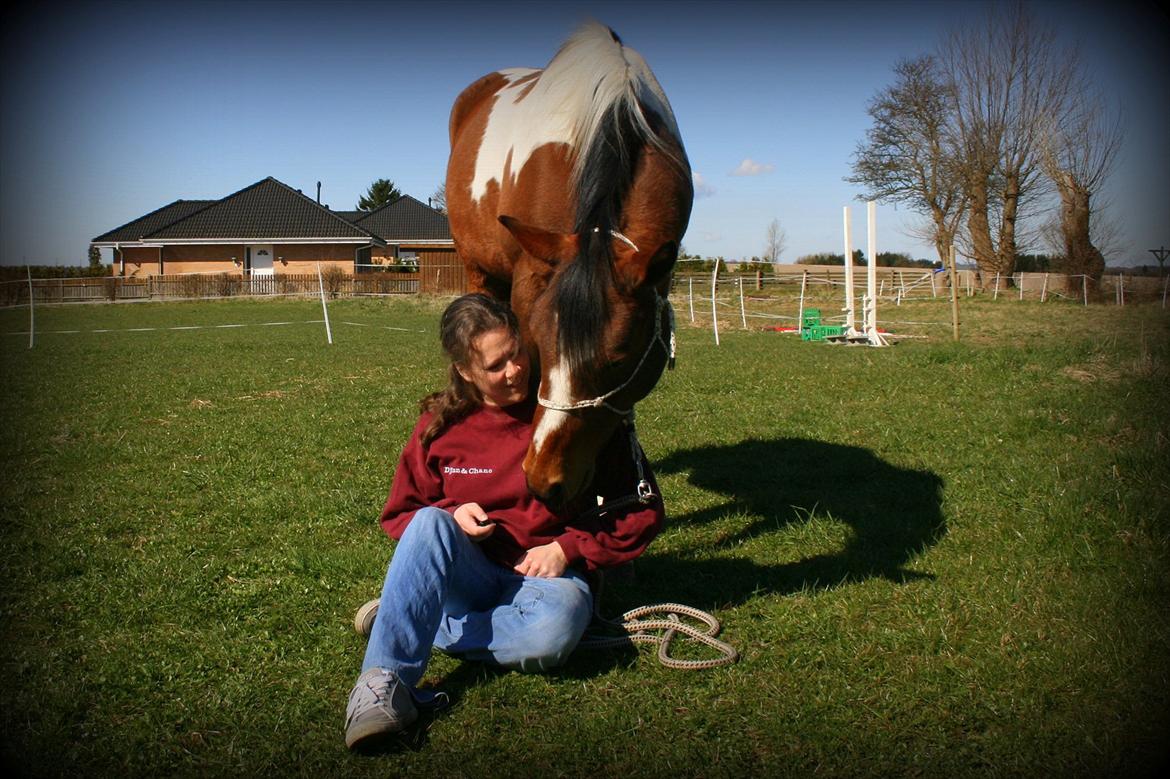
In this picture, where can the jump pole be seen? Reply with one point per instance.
(875, 338)
(850, 303)
(800, 308)
(325, 308)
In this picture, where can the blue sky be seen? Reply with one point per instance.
(110, 110)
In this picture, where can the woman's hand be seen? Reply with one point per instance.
(474, 521)
(547, 561)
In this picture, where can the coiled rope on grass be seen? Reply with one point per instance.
(633, 628)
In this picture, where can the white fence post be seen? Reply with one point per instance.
(31, 320)
(714, 314)
(321, 286)
(742, 311)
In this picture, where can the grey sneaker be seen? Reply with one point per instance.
(363, 620)
(379, 706)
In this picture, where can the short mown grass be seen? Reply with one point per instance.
(935, 559)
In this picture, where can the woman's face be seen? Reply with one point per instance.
(498, 367)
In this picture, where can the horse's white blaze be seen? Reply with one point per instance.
(556, 389)
(590, 64)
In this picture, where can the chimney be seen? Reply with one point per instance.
(318, 193)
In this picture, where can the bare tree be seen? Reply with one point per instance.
(1006, 77)
(438, 200)
(1079, 151)
(907, 155)
(775, 243)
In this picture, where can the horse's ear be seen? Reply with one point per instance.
(546, 246)
(635, 269)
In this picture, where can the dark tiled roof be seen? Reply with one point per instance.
(267, 209)
(351, 216)
(155, 220)
(407, 219)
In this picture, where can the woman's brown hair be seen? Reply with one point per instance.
(464, 320)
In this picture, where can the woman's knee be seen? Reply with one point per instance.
(429, 525)
(566, 611)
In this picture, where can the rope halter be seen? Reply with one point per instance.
(602, 401)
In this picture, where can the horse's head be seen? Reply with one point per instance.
(596, 318)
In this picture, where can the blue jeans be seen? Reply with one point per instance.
(442, 591)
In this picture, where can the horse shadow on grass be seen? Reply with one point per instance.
(892, 515)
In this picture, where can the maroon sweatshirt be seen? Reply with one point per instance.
(479, 460)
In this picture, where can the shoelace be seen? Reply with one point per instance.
(376, 693)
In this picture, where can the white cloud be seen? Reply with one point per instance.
(750, 167)
(702, 188)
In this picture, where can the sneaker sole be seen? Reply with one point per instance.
(375, 736)
(363, 620)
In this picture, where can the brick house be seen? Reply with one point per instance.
(269, 228)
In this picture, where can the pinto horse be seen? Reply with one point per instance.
(568, 191)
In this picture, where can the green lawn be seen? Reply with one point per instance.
(935, 559)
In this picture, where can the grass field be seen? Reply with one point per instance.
(935, 559)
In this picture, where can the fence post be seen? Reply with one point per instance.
(691, 296)
(324, 308)
(742, 312)
(31, 320)
(714, 315)
(954, 293)
(1085, 289)
(1044, 289)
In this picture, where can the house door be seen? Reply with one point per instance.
(261, 259)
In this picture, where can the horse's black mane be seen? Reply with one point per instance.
(606, 176)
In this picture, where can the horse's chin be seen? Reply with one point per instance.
(556, 488)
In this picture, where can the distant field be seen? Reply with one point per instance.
(935, 559)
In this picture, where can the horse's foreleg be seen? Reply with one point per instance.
(480, 281)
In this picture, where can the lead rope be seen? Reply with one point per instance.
(605, 633)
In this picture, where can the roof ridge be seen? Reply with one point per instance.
(367, 214)
(210, 205)
(327, 210)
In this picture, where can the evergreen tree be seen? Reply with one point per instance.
(379, 194)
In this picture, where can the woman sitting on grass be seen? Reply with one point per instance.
(483, 569)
